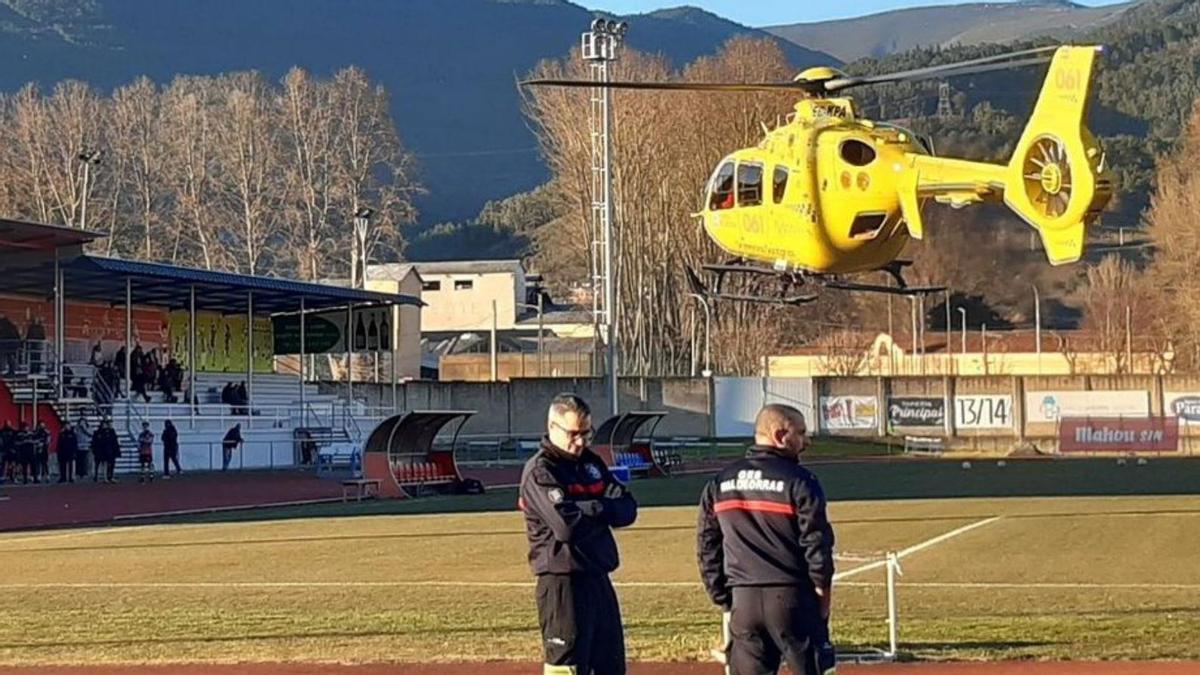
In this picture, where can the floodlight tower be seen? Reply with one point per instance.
(599, 48)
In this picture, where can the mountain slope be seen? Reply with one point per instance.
(449, 65)
(886, 33)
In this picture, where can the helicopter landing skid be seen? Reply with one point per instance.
(781, 297)
(789, 280)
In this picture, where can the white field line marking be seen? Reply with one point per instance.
(21, 539)
(917, 547)
(1029, 586)
(530, 584)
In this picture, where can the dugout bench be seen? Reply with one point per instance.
(627, 454)
(401, 454)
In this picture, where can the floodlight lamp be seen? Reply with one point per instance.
(363, 212)
(598, 25)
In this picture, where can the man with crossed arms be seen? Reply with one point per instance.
(571, 504)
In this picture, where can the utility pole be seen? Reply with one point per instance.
(358, 261)
(599, 48)
(88, 157)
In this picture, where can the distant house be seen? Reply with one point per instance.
(1072, 352)
(464, 299)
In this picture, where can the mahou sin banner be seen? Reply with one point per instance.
(1097, 434)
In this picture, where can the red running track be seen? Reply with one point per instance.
(514, 668)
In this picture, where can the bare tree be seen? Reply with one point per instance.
(191, 169)
(137, 129)
(309, 125)
(371, 168)
(252, 192)
(1171, 222)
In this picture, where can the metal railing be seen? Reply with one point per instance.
(27, 357)
(209, 455)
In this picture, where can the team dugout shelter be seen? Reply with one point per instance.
(209, 321)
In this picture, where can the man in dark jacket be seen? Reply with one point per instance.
(231, 442)
(26, 452)
(8, 452)
(170, 440)
(571, 503)
(765, 548)
(41, 444)
(106, 448)
(68, 445)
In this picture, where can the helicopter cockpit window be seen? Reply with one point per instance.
(779, 184)
(722, 188)
(857, 153)
(749, 184)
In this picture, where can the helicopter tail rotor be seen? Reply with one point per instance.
(1056, 180)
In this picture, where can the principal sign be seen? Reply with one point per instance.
(917, 412)
(1183, 405)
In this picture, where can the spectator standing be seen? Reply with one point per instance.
(83, 439)
(8, 452)
(232, 441)
(170, 439)
(106, 448)
(41, 444)
(26, 452)
(99, 459)
(145, 454)
(68, 446)
(119, 363)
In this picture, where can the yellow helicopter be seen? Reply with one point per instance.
(830, 194)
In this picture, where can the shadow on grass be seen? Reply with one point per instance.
(304, 539)
(846, 481)
(520, 629)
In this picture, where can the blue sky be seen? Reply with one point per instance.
(773, 12)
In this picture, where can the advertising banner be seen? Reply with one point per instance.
(1051, 406)
(1185, 405)
(1151, 434)
(917, 412)
(221, 342)
(848, 412)
(983, 411)
(326, 332)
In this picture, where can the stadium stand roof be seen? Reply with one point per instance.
(102, 279)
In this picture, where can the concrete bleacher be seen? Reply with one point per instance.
(269, 431)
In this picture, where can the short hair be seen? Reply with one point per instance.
(775, 416)
(567, 402)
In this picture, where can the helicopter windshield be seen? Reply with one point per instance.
(750, 184)
(721, 188)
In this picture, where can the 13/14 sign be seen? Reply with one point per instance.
(989, 411)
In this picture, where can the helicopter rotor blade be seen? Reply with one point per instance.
(806, 87)
(949, 70)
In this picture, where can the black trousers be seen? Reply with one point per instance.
(774, 623)
(65, 465)
(171, 457)
(581, 625)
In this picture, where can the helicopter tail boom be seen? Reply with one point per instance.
(1056, 179)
